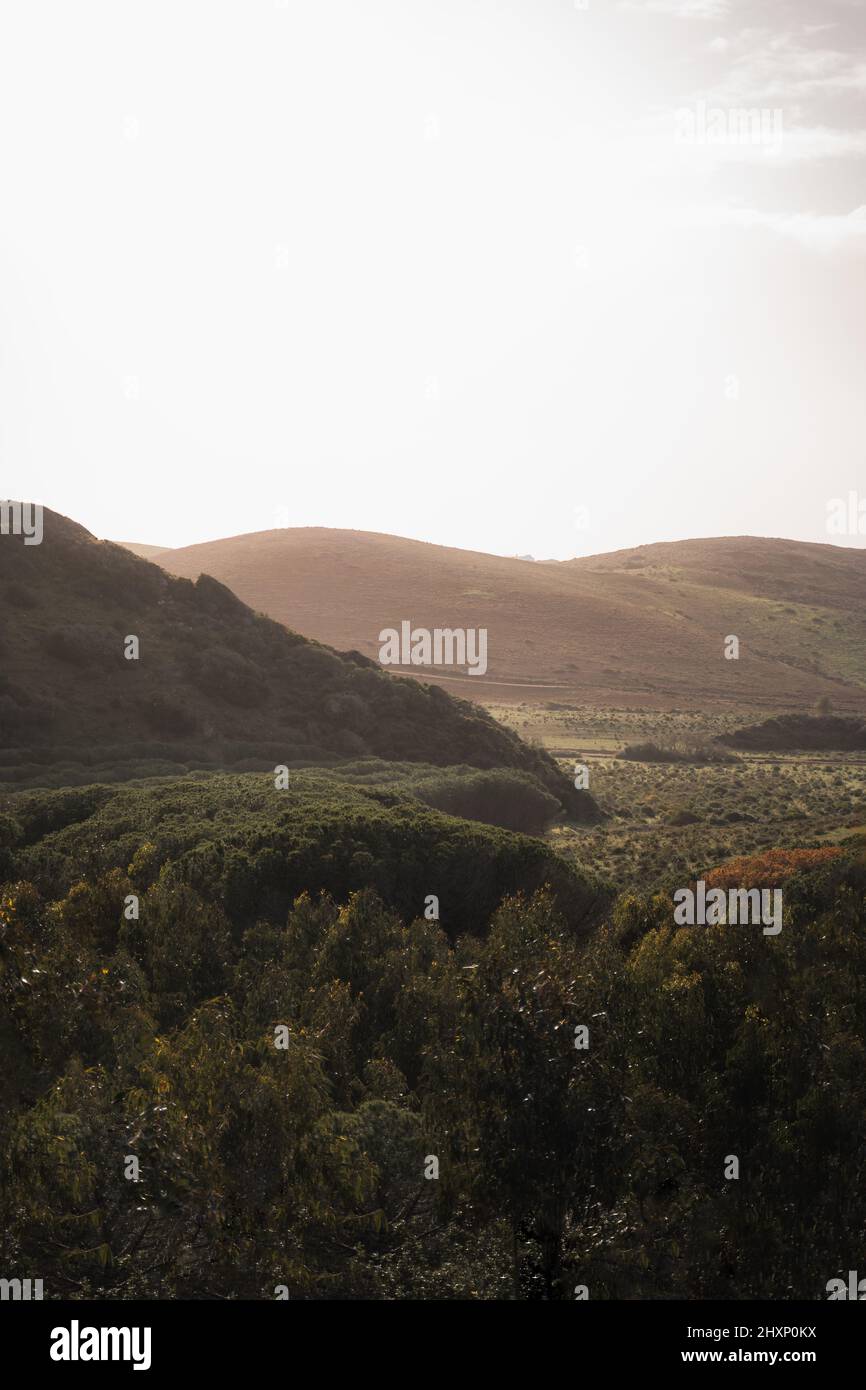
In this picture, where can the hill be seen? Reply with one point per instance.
(643, 627)
(145, 552)
(213, 683)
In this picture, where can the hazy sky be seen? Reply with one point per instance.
(462, 270)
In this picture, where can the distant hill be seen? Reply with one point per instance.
(643, 627)
(146, 552)
(214, 685)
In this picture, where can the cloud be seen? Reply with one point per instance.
(801, 95)
(762, 137)
(820, 232)
(772, 67)
(701, 140)
(681, 9)
(819, 142)
(825, 232)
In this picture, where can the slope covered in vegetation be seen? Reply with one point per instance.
(339, 1101)
(212, 684)
(248, 849)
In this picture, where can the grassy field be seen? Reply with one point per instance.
(757, 801)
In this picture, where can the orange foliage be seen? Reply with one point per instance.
(773, 866)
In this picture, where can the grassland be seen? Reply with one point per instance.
(758, 801)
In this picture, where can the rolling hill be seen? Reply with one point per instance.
(145, 552)
(213, 684)
(643, 627)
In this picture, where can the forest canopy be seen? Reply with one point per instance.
(238, 1087)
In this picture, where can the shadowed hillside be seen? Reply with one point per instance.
(637, 627)
(214, 684)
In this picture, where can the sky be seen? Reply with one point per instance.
(521, 276)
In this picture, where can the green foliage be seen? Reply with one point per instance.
(304, 1164)
(249, 850)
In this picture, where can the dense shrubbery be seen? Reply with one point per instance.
(513, 800)
(800, 731)
(251, 850)
(774, 866)
(304, 1165)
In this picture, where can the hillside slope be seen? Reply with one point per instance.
(214, 684)
(145, 552)
(251, 852)
(636, 627)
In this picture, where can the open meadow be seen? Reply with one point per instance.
(670, 819)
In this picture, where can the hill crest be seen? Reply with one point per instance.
(211, 683)
(642, 627)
